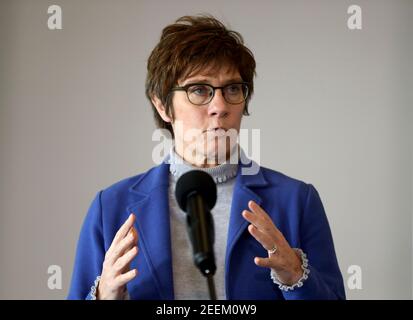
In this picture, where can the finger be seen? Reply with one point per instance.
(256, 208)
(121, 233)
(117, 251)
(135, 243)
(124, 278)
(260, 212)
(258, 222)
(123, 230)
(124, 260)
(264, 239)
(132, 233)
(135, 235)
(264, 262)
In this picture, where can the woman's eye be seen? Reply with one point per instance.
(199, 90)
(233, 89)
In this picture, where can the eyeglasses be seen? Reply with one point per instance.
(201, 93)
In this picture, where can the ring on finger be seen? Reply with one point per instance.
(273, 250)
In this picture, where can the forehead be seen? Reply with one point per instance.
(213, 74)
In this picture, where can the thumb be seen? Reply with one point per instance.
(263, 262)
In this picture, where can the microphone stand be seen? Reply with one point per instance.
(203, 242)
(211, 287)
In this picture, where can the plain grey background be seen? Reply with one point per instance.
(334, 107)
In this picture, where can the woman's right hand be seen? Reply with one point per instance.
(116, 271)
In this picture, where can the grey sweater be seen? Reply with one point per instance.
(189, 283)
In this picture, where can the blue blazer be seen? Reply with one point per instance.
(294, 206)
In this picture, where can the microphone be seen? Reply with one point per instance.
(196, 194)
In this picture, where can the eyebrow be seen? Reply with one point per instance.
(207, 81)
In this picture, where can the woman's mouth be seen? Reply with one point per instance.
(215, 129)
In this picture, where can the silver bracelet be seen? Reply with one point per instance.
(93, 289)
(299, 283)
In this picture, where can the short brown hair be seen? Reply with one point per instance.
(188, 46)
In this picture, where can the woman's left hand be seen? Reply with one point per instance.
(284, 261)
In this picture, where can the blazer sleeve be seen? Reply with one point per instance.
(90, 253)
(324, 281)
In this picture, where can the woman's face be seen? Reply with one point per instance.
(202, 131)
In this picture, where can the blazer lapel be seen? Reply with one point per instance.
(243, 193)
(153, 225)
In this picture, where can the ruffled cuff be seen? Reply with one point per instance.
(93, 290)
(300, 282)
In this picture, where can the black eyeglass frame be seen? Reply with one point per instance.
(186, 87)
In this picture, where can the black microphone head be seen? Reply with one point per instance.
(196, 181)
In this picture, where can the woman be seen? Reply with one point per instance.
(272, 237)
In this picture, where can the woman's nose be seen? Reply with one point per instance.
(218, 106)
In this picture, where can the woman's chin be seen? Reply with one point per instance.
(216, 154)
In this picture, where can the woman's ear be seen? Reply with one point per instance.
(161, 109)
